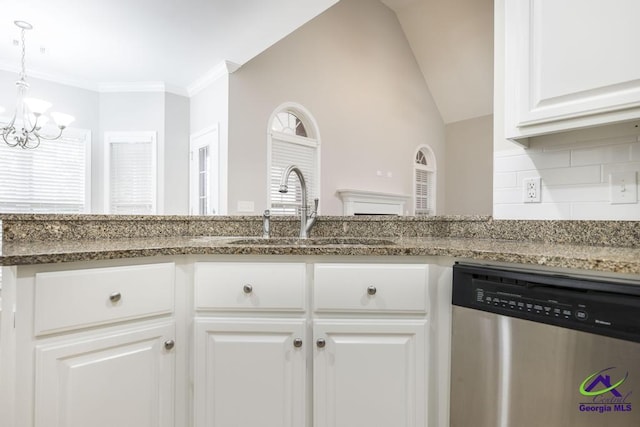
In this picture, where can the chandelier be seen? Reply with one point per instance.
(25, 130)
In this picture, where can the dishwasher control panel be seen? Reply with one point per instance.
(597, 306)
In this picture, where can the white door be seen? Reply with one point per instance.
(369, 373)
(204, 192)
(250, 373)
(124, 379)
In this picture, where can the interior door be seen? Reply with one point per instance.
(204, 169)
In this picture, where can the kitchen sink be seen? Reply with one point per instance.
(312, 241)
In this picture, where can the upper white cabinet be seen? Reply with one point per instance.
(570, 64)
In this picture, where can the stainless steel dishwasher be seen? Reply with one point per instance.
(533, 349)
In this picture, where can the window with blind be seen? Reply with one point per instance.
(291, 144)
(53, 178)
(424, 182)
(131, 173)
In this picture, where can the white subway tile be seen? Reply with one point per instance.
(565, 176)
(532, 211)
(605, 211)
(505, 180)
(575, 193)
(601, 155)
(635, 152)
(618, 167)
(534, 161)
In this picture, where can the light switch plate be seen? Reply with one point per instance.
(624, 187)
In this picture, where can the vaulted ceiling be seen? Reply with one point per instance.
(89, 43)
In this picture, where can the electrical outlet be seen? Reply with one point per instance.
(531, 187)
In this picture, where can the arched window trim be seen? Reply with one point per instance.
(312, 141)
(431, 169)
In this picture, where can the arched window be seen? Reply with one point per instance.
(293, 139)
(424, 178)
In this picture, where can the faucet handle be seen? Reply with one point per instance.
(315, 205)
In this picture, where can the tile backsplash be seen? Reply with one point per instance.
(575, 170)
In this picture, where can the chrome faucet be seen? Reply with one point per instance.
(306, 222)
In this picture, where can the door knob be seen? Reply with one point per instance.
(247, 288)
(321, 343)
(169, 344)
(371, 290)
(297, 342)
(115, 297)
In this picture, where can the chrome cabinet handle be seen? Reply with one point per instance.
(169, 344)
(297, 343)
(321, 343)
(371, 290)
(115, 297)
(247, 289)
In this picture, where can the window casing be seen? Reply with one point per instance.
(292, 141)
(131, 173)
(424, 174)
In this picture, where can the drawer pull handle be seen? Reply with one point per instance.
(169, 344)
(297, 343)
(371, 290)
(247, 289)
(321, 343)
(115, 297)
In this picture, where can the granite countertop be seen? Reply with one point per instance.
(576, 256)
(607, 246)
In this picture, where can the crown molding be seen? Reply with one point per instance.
(141, 87)
(222, 69)
(54, 78)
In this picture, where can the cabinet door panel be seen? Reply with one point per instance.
(123, 380)
(370, 374)
(249, 373)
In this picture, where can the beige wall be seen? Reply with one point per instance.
(354, 71)
(469, 167)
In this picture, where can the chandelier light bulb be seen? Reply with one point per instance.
(62, 120)
(37, 106)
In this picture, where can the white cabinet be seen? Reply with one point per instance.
(250, 369)
(370, 355)
(569, 64)
(370, 373)
(257, 348)
(123, 379)
(96, 346)
(250, 372)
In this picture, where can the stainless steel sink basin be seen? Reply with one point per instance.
(312, 241)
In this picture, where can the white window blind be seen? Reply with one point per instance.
(285, 153)
(52, 178)
(423, 186)
(131, 173)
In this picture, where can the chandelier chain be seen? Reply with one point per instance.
(23, 72)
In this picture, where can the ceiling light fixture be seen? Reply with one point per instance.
(25, 128)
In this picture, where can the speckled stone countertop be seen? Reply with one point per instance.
(608, 246)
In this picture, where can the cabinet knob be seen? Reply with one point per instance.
(115, 297)
(371, 290)
(297, 342)
(247, 288)
(321, 343)
(169, 344)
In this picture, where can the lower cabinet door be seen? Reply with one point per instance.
(123, 379)
(250, 373)
(369, 373)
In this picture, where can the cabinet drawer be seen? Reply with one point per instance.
(366, 287)
(250, 286)
(66, 300)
